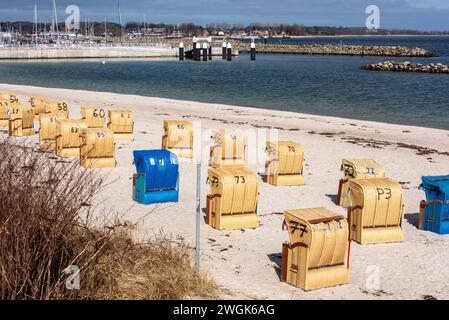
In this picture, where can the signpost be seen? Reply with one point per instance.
(198, 215)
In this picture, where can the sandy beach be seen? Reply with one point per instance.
(246, 263)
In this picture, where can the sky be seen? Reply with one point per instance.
(425, 15)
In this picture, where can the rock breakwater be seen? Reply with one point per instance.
(407, 67)
(352, 50)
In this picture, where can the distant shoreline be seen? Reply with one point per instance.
(353, 36)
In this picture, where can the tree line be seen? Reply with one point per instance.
(192, 29)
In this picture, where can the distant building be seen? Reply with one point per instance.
(68, 34)
(157, 32)
(134, 35)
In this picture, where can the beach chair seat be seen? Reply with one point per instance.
(228, 148)
(21, 121)
(356, 169)
(47, 130)
(97, 148)
(178, 137)
(93, 116)
(157, 177)
(121, 122)
(285, 163)
(38, 104)
(11, 98)
(376, 211)
(232, 202)
(317, 255)
(68, 137)
(435, 210)
(56, 106)
(5, 113)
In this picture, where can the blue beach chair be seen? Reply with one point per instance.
(157, 177)
(436, 208)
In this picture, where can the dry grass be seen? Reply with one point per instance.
(46, 225)
(160, 269)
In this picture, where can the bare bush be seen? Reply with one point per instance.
(41, 202)
(46, 225)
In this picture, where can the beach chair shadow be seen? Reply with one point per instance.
(333, 197)
(262, 176)
(277, 259)
(203, 210)
(413, 219)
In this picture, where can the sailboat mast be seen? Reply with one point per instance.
(120, 18)
(35, 23)
(55, 20)
(105, 30)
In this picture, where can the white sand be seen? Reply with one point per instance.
(244, 262)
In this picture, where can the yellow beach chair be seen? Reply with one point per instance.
(21, 121)
(178, 137)
(94, 116)
(97, 148)
(357, 169)
(318, 253)
(228, 148)
(232, 202)
(68, 137)
(47, 131)
(376, 211)
(121, 122)
(285, 163)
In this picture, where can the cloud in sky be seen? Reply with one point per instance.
(413, 14)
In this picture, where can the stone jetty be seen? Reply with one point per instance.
(408, 67)
(329, 49)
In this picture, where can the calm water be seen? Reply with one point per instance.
(324, 85)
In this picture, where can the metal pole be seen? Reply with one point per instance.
(196, 52)
(198, 215)
(253, 51)
(223, 50)
(205, 51)
(209, 40)
(229, 53)
(181, 51)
